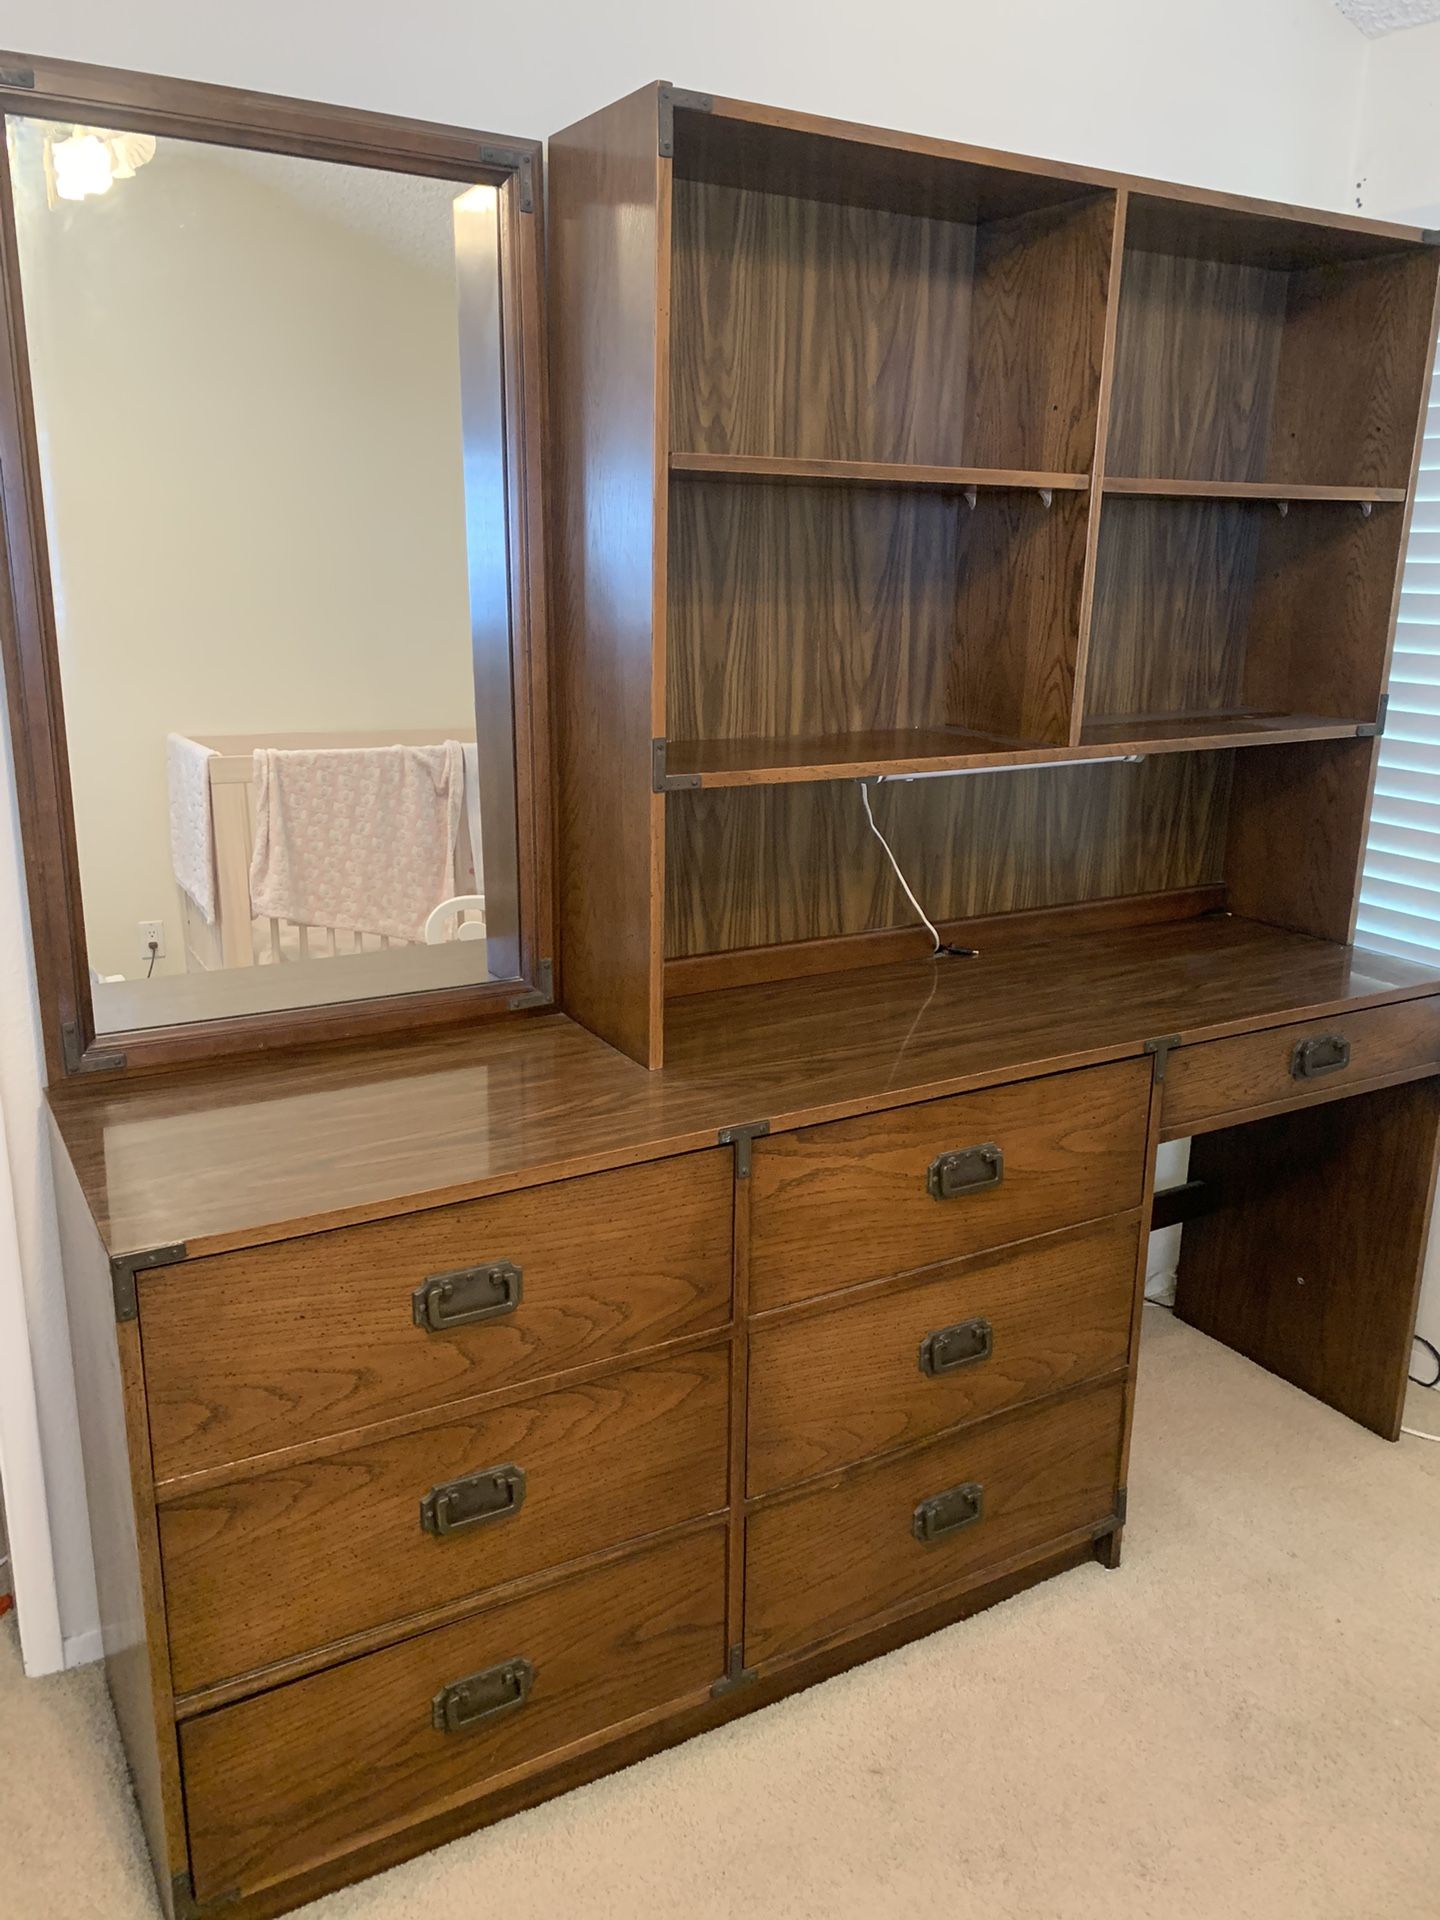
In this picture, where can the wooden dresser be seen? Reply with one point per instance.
(746, 1280)
(466, 1418)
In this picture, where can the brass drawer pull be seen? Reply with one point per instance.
(473, 1501)
(468, 1295)
(958, 1346)
(482, 1697)
(1326, 1053)
(967, 1170)
(945, 1513)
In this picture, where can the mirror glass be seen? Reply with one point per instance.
(268, 394)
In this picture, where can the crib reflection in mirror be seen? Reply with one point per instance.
(291, 847)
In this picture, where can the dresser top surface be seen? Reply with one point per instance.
(237, 1154)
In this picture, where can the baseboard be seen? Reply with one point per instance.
(80, 1649)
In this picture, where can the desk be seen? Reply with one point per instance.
(840, 1307)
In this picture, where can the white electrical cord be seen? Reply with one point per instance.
(909, 895)
(1416, 1434)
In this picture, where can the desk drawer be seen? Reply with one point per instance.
(819, 1564)
(907, 1361)
(1304, 1061)
(295, 1776)
(855, 1200)
(283, 1562)
(247, 1352)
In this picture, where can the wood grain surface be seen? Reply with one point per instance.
(299, 1775)
(1360, 336)
(610, 222)
(1216, 604)
(1311, 1264)
(1220, 360)
(848, 1202)
(235, 1156)
(313, 1551)
(1197, 360)
(772, 469)
(1041, 290)
(743, 142)
(1313, 801)
(814, 609)
(1227, 1076)
(267, 1348)
(828, 1389)
(822, 1562)
(776, 760)
(778, 346)
(120, 1497)
(773, 864)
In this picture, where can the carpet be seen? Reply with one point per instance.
(1244, 1721)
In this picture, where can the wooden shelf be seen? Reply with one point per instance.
(1200, 732)
(942, 499)
(1281, 490)
(866, 473)
(787, 760)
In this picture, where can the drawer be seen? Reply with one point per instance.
(819, 1564)
(282, 1562)
(247, 1352)
(830, 1388)
(852, 1200)
(1307, 1060)
(296, 1776)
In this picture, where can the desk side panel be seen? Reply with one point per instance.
(1311, 1263)
(115, 1446)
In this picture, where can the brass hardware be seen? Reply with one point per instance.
(741, 1137)
(966, 1170)
(1324, 1053)
(80, 1059)
(542, 994)
(492, 1494)
(662, 781)
(945, 1513)
(125, 1266)
(482, 1697)
(670, 98)
(958, 1346)
(1161, 1049)
(736, 1674)
(467, 1296)
(521, 164)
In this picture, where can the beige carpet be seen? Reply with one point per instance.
(1241, 1724)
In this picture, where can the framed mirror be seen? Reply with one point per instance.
(270, 443)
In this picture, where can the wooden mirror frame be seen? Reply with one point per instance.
(524, 913)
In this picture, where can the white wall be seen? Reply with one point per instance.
(1256, 95)
(1397, 167)
(1259, 98)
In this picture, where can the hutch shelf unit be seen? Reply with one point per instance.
(470, 1413)
(882, 456)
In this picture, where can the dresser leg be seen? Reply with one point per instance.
(1107, 1548)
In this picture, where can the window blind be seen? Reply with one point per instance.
(1400, 889)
